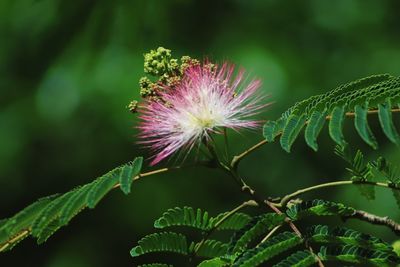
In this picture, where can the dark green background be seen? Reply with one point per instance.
(69, 68)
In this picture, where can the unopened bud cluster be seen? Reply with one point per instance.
(167, 72)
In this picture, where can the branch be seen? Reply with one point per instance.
(283, 202)
(374, 219)
(236, 159)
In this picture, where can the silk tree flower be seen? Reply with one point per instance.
(206, 100)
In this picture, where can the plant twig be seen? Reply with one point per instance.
(276, 228)
(137, 177)
(236, 159)
(283, 202)
(374, 219)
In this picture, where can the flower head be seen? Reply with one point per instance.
(208, 98)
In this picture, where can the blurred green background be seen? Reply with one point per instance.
(69, 68)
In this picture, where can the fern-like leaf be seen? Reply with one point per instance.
(341, 235)
(265, 251)
(374, 93)
(356, 255)
(386, 121)
(211, 248)
(234, 222)
(298, 259)
(128, 172)
(101, 187)
(258, 226)
(362, 127)
(216, 262)
(318, 207)
(161, 242)
(336, 125)
(42, 218)
(186, 216)
(314, 127)
(291, 131)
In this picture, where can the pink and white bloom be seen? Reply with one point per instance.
(204, 102)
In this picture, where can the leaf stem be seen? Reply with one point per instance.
(283, 202)
(137, 177)
(236, 159)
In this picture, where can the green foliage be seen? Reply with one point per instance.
(186, 216)
(161, 242)
(216, 262)
(42, 218)
(298, 259)
(386, 121)
(336, 125)
(377, 93)
(210, 248)
(362, 127)
(128, 172)
(356, 255)
(292, 129)
(234, 222)
(259, 225)
(314, 127)
(155, 265)
(318, 207)
(16, 228)
(267, 250)
(341, 235)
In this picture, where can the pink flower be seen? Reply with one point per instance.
(202, 103)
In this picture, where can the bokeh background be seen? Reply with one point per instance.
(69, 68)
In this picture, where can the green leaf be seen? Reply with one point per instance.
(48, 221)
(234, 222)
(291, 131)
(128, 172)
(101, 187)
(345, 236)
(48, 231)
(336, 125)
(362, 127)
(357, 255)
(74, 204)
(269, 131)
(298, 259)
(318, 207)
(186, 216)
(258, 226)
(314, 127)
(211, 248)
(386, 121)
(19, 226)
(161, 242)
(267, 250)
(216, 262)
